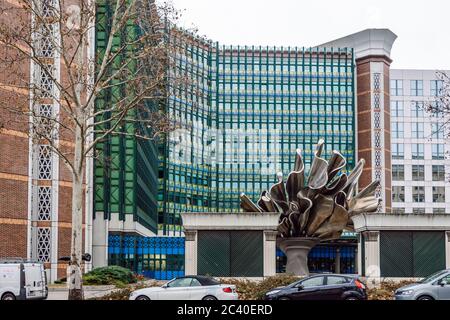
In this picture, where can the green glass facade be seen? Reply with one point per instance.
(126, 168)
(242, 115)
(241, 112)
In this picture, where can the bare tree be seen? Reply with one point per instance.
(48, 53)
(439, 107)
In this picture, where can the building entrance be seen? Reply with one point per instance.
(330, 258)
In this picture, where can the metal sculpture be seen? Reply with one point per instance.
(314, 208)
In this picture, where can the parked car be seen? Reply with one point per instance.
(21, 280)
(321, 287)
(433, 287)
(188, 288)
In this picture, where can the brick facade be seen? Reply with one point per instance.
(365, 105)
(15, 175)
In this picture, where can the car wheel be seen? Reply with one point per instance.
(8, 296)
(351, 298)
(142, 298)
(425, 298)
(284, 298)
(210, 298)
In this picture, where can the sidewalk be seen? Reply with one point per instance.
(61, 292)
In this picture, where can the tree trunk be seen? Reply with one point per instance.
(74, 269)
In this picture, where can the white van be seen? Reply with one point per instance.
(21, 279)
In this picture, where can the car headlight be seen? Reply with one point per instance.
(272, 292)
(405, 292)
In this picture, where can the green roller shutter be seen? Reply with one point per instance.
(230, 253)
(246, 253)
(411, 253)
(213, 253)
(396, 254)
(429, 252)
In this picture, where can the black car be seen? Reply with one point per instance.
(321, 287)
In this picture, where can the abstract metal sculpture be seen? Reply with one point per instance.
(314, 209)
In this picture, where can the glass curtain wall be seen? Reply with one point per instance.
(242, 114)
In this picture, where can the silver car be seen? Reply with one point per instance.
(434, 287)
(188, 288)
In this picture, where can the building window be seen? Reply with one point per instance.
(437, 151)
(397, 87)
(43, 244)
(398, 194)
(416, 87)
(439, 108)
(417, 151)
(46, 41)
(44, 162)
(438, 194)
(43, 122)
(46, 81)
(436, 87)
(397, 130)
(439, 210)
(417, 130)
(418, 194)
(418, 172)
(398, 172)
(438, 173)
(398, 210)
(398, 151)
(437, 130)
(48, 8)
(44, 203)
(397, 109)
(419, 210)
(45, 110)
(417, 109)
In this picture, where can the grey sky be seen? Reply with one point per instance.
(422, 26)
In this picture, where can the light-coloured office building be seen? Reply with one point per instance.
(420, 163)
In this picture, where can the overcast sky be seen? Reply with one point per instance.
(422, 26)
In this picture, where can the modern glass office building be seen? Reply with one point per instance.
(241, 114)
(126, 168)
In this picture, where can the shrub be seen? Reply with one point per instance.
(386, 290)
(255, 290)
(60, 281)
(111, 275)
(124, 293)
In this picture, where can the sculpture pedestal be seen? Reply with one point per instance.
(296, 251)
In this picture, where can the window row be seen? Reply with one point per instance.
(418, 194)
(417, 109)
(417, 151)
(418, 210)
(417, 172)
(417, 130)
(416, 87)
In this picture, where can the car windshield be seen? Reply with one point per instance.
(180, 282)
(433, 277)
